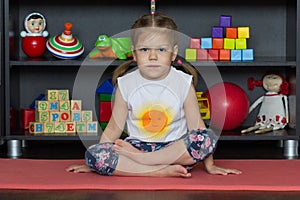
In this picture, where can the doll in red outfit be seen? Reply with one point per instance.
(273, 113)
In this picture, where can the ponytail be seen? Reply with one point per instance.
(120, 71)
(181, 64)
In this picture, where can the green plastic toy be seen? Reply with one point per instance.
(107, 47)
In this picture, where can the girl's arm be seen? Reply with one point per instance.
(117, 121)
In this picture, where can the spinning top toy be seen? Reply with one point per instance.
(65, 46)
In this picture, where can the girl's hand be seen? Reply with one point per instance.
(78, 168)
(213, 169)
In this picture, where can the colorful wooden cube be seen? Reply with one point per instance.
(105, 88)
(41, 105)
(86, 115)
(92, 127)
(195, 43)
(64, 116)
(243, 32)
(106, 97)
(64, 105)
(59, 127)
(42, 116)
(63, 95)
(70, 127)
(247, 54)
(224, 55)
(213, 54)
(76, 116)
(241, 43)
(229, 43)
(27, 115)
(236, 55)
(217, 32)
(52, 95)
(231, 32)
(206, 43)
(53, 106)
(48, 127)
(54, 116)
(36, 127)
(202, 54)
(81, 127)
(75, 105)
(190, 54)
(225, 20)
(217, 43)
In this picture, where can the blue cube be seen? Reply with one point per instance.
(206, 43)
(236, 55)
(247, 54)
(217, 32)
(225, 21)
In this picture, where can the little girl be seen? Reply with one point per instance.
(158, 104)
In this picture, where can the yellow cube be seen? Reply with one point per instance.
(241, 43)
(243, 32)
(229, 43)
(190, 54)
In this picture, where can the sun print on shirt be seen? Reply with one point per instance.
(154, 120)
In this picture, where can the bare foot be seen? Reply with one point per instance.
(78, 168)
(174, 171)
(124, 148)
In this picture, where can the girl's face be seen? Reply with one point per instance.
(272, 82)
(154, 53)
(35, 25)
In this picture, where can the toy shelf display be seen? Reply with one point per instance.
(59, 115)
(227, 43)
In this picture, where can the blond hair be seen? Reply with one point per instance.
(157, 20)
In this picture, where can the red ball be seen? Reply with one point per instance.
(34, 46)
(229, 105)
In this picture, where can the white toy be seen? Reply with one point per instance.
(273, 113)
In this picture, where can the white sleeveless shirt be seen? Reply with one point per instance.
(155, 108)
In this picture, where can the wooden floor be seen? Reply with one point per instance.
(75, 150)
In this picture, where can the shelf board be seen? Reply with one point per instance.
(263, 62)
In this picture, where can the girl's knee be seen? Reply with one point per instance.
(200, 143)
(101, 158)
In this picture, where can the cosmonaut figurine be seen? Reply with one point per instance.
(273, 113)
(34, 42)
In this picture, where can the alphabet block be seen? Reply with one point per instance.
(75, 105)
(60, 127)
(81, 127)
(54, 116)
(42, 116)
(86, 115)
(92, 127)
(53, 106)
(64, 116)
(64, 105)
(63, 95)
(48, 127)
(41, 105)
(70, 127)
(36, 127)
(76, 116)
(52, 95)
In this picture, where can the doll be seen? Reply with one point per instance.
(273, 113)
(35, 25)
(34, 42)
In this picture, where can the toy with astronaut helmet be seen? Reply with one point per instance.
(273, 113)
